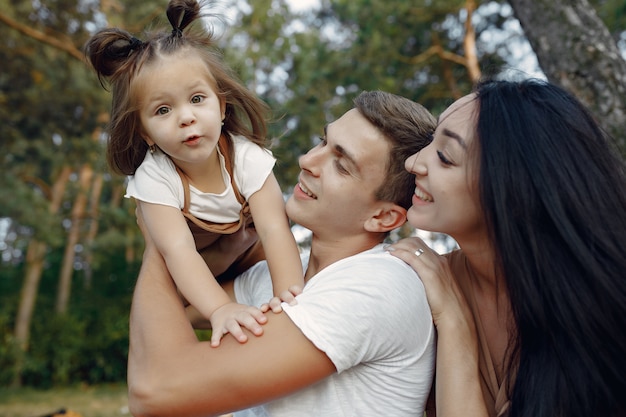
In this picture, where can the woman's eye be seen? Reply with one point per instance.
(443, 158)
(322, 141)
(162, 110)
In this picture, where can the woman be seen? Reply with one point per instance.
(531, 311)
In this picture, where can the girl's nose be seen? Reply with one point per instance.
(187, 117)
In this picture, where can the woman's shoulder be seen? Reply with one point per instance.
(455, 256)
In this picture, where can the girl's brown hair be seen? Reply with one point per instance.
(118, 57)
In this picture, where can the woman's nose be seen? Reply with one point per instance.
(414, 164)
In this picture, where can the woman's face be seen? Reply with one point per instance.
(446, 196)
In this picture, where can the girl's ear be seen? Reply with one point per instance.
(223, 108)
(387, 218)
(146, 138)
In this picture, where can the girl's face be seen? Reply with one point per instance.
(180, 110)
(446, 197)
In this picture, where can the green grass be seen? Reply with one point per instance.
(83, 401)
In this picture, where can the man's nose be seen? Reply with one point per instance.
(311, 160)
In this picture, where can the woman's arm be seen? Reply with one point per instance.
(272, 226)
(457, 377)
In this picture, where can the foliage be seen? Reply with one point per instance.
(306, 66)
(89, 344)
(8, 348)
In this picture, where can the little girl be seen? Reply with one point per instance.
(190, 136)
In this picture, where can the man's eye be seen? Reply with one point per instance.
(443, 158)
(162, 110)
(340, 168)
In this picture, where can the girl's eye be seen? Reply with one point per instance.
(197, 99)
(162, 110)
(443, 158)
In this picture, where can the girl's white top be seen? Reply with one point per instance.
(156, 181)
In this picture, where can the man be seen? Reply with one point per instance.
(359, 341)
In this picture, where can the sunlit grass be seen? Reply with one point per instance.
(83, 401)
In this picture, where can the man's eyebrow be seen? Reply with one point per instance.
(343, 152)
(456, 137)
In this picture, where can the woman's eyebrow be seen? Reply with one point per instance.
(455, 136)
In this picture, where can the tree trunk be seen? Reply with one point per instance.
(576, 51)
(34, 269)
(94, 207)
(469, 43)
(78, 212)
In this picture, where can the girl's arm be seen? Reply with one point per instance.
(272, 226)
(458, 389)
(171, 373)
(173, 239)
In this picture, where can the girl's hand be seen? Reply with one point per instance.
(444, 296)
(288, 296)
(230, 317)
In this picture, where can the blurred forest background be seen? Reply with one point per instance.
(68, 239)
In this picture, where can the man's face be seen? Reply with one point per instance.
(335, 193)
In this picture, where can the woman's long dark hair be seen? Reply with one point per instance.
(553, 188)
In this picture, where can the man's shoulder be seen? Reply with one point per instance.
(374, 261)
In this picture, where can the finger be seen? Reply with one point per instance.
(295, 290)
(409, 256)
(250, 323)
(235, 330)
(216, 337)
(288, 298)
(276, 305)
(408, 244)
(258, 315)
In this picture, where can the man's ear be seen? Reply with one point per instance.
(387, 218)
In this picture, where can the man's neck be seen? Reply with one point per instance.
(327, 252)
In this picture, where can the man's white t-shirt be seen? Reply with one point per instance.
(369, 314)
(156, 181)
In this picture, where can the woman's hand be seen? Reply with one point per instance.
(444, 296)
(458, 389)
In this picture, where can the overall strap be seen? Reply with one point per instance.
(226, 150)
